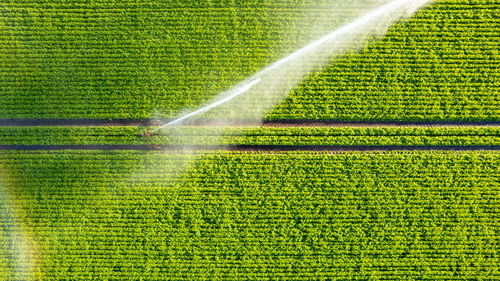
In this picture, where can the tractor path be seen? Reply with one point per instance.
(252, 148)
(218, 122)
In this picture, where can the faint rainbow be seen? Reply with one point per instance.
(21, 250)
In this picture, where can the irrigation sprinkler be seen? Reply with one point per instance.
(149, 134)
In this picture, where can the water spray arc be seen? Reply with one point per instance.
(307, 54)
(234, 93)
(341, 31)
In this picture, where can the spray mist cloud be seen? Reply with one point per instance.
(251, 99)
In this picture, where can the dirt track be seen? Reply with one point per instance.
(313, 123)
(72, 122)
(265, 148)
(206, 122)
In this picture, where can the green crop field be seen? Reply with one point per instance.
(381, 161)
(439, 65)
(232, 216)
(138, 59)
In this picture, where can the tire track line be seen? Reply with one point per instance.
(255, 148)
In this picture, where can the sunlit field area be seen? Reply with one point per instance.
(249, 140)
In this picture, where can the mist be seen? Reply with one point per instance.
(18, 261)
(250, 100)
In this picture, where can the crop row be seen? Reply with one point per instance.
(234, 216)
(418, 136)
(436, 66)
(123, 59)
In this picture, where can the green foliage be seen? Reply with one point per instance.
(255, 216)
(421, 136)
(6, 253)
(246, 216)
(439, 65)
(130, 59)
(127, 59)
(70, 135)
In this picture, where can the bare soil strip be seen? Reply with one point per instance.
(332, 123)
(72, 122)
(218, 122)
(256, 148)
